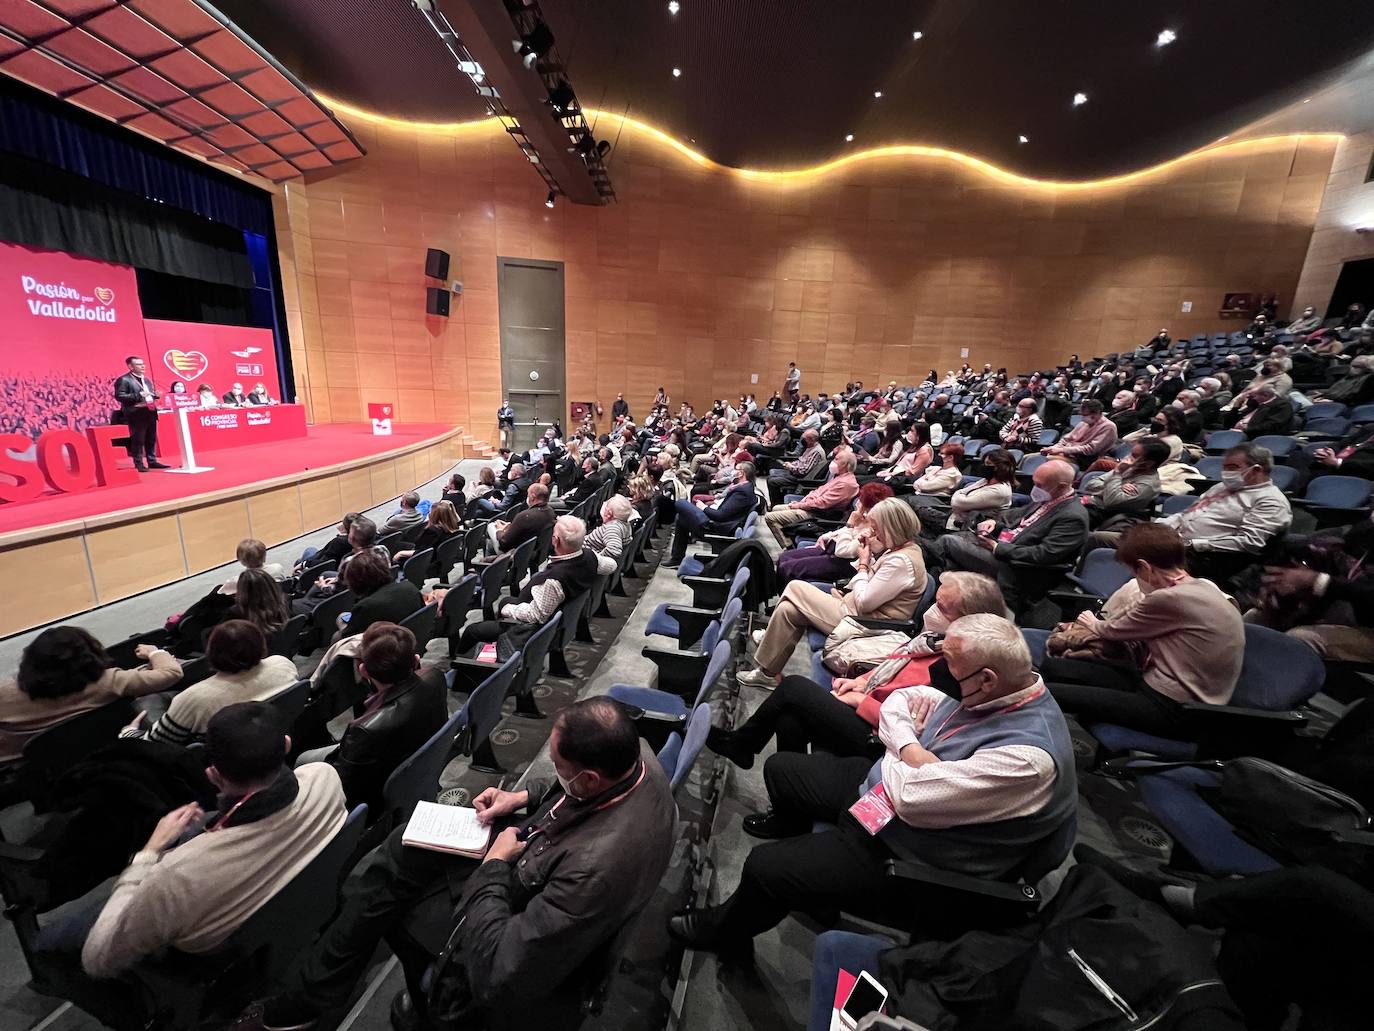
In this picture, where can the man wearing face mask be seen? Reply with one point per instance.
(552, 890)
(1124, 415)
(1265, 413)
(1089, 440)
(832, 496)
(977, 772)
(1105, 388)
(1017, 547)
(1236, 519)
(809, 465)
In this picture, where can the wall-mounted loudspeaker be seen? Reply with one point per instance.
(436, 301)
(436, 263)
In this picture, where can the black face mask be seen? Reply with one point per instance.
(946, 682)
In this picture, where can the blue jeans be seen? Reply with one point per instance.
(836, 951)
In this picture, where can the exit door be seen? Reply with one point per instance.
(532, 345)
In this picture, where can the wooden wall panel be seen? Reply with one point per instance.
(135, 557)
(275, 515)
(1348, 205)
(211, 532)
(56, 581)
(697, 279)
(321, 501)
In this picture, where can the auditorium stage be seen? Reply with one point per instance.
(67, 553)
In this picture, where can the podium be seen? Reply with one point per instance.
(188, 452)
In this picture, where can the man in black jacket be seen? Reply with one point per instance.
(696, 519)
(527, 525)
(593, 478)
(1267, 414)
(137, 397)
(236, 396)
(405, 709)
(529, 921)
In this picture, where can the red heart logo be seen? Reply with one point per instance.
(186, 364)
(386, 410)
(104, 295)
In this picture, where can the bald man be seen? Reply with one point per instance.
(1023, 547)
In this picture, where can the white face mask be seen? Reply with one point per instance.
(567, 785)
(1040, 494)
(934, 621)
(834, 469)
(1232, 479)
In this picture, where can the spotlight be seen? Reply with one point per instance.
(586, 144)
(915, 36)
(849, 138)
(550, 199)
(534, 46)
(677, 73)
(877, 94)
(1165, 38)
(603, 148)
(1022, 139)
(1079, 99)
(674, 6)
(561, 99)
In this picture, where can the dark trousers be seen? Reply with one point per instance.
(142, 423)
(803, 714)
(841, 869)
(780, 483)
(1107, 692)
(383, 901)
(475, 634)
(1288, 939)
(811, 564)
(689, 521)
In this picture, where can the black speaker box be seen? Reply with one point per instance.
(436, 264)
(436, 301)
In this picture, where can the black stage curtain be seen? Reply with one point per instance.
(177, 299)
(43, 206)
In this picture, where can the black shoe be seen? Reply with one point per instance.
(140, 467)
(770, 826)
(273, 1015)
(723, 743)
(671, 562)
(403, 1015)
(153, 463)
(700, 929)
(1138, 882)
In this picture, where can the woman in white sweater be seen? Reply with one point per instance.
(244, 672)
(980, 499)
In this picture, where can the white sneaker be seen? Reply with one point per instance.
(757, 678)
(757, 637)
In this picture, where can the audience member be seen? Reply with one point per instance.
(832, 556)
(1089, 440)
(1023, 431)
(692, 520)
(380, 597)
(826, 501)
(810, 465)
(537, 516)
(252, 554)
(609, 541)
(442, 524)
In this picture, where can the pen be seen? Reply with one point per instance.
(1102, 986)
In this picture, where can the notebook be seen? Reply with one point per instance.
(447, 828)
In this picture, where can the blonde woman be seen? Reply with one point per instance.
(442, 524)
(889, 580)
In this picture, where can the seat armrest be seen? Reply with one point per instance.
(469, 673)
(1203, 712)
(1001, 891)
(691, 622)
(708, 591)
(679, 670)
(19, 855)
(905, 626)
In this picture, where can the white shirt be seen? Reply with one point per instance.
(992, 784)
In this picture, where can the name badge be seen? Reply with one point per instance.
(1006, 537)
(873, 811)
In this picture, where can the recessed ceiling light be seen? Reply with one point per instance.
(1165, 38)
(1079, 99)
(1022, 139)
(674, 6)
(849, 138)
(917, 35)
(677, 73)
(877, 94)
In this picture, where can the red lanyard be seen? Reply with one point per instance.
(221, 820)
(549, 817)
(982, 716)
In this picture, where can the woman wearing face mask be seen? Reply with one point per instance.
(1166, 425)
(1271, 375)
(891, 448)
(935, 485)
(804, 715)
(902, 474)
(832, 557)
(1165, 638)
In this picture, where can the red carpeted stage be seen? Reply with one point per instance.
(71, 552)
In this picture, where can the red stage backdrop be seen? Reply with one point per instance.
(66, 326)
(218, 355)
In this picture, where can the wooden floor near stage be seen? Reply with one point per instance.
(64, 554)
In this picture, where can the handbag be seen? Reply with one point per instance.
(1071, 641)
(851, 643)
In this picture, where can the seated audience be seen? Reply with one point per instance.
(1126, 495)
(244, 672)
(552, 891)
(455, 491)
(826, 501)
(841, 719)
(405, 517)
(1235, 520)
(978, 766)
(609, 541)
(259, 600)
(940, 482)
(1124, 415)
(594, 477)
(189, 888)
(888, 582)
(1016, 546)
(64, 672)
(902, 474)
(1334, 614)
(832, 556)
(1265, 413)
(1089, 440)
(809, 465)
(335, 550)
(380, 597)
(983, 497)
(406, 707)
(442, 524)
(362, 537)
(693, 520)
(1023, 431)
(527, 525)
(252, 554)
(1163, 638)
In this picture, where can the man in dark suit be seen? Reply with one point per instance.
(593, 477)
(236, 396)
(1352, 455)
(1022, 547)
(1267, 414)
(695, 519)
(137, 397)
(527, 525)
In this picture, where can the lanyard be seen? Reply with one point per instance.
(940, 734)
(220, 821)
(549, 818)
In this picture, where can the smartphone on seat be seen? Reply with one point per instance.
(866, 996)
